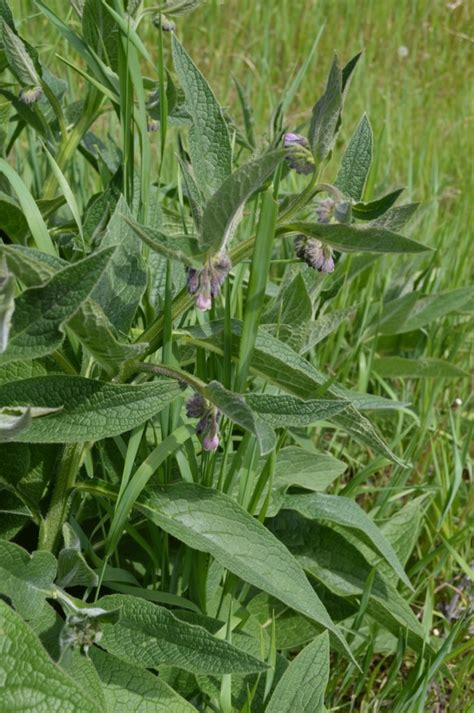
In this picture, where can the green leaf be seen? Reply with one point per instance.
(82, 670)
(90, 410)
(306, 469)
(12, 220)
(424, 368)
(100, 32)
(209, 142)
(356, 161)
(40, 312)
(148, 635)
(129, 688)
(210, 521)
(357, 238)
(236, 408)
(326, 113)
(30, 679)
(377, 208)
(223, 210)
(121, 286)
(98, 335)
(341, 568)
(18, 57)
(278, 363)
(288, 411)
(302, 686)
(7, 303)
(396, 218)
(73, 570)
(349, 515)
(414, 310)
(292, 307)
(26, 579)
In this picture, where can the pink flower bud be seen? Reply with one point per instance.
(203, 302)
(211, 443)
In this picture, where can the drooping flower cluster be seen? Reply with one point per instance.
(206, 282)
(299, 158)
(314, 253)
(30, 95)
(208, 424)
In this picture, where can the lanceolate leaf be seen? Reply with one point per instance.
(210, 521)
(302, 686)
(357, 238)
(18, 57)
(341, 568)
(90, 410)
(401, 368)
(183, 248)
(278, 363)
(149, 635)
(40, 312)
(326, 112)
(26, 579)
(288, 411)
(15, 420)
(209, 142)
(346, 513)
(356, 162)
(396, 218)
(30, 676)
(415, 310)
(223, 208)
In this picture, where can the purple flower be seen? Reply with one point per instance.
(208, 425)
(196, 406)
(325, 210)
(206, 282)
(211, 443)
(314, 253)
(299, 157)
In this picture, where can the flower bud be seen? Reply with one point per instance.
(325, 210)
(166, 25)
(196, 406)
(31, 95)
(211, 443)
(203, 302)
(300, 158)
(153, 125)
(314, 253)
(343, 212)
(206, 283)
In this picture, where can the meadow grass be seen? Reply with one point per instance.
(415, 82)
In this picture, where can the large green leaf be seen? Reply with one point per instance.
(349, 515)
(236, 408)
(301, 688)
(148, 635)
(341, 568)
(26, 579)
(209, 142)
(357, 238)
(326, 113)
(40, 312)
(210, 521)
(222, 211)
(31, 681)
(119, 290)
(129, 688)
(277, 362)
(18, 57)
(356, 162)
(90, 410)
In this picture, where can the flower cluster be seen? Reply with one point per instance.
(208, 424)
(314, 253)
(206, 282)
(300, 158)
(30, 95)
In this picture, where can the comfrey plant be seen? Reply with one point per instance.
(171, 533)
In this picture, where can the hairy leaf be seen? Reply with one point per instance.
(356, 162)
(326, 113)
(26, 579)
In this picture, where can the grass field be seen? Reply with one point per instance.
(415, 81)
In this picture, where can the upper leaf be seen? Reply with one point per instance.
(223, 209)
(356, 162)
(209, 142)
(26, 579)
(326, 112)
